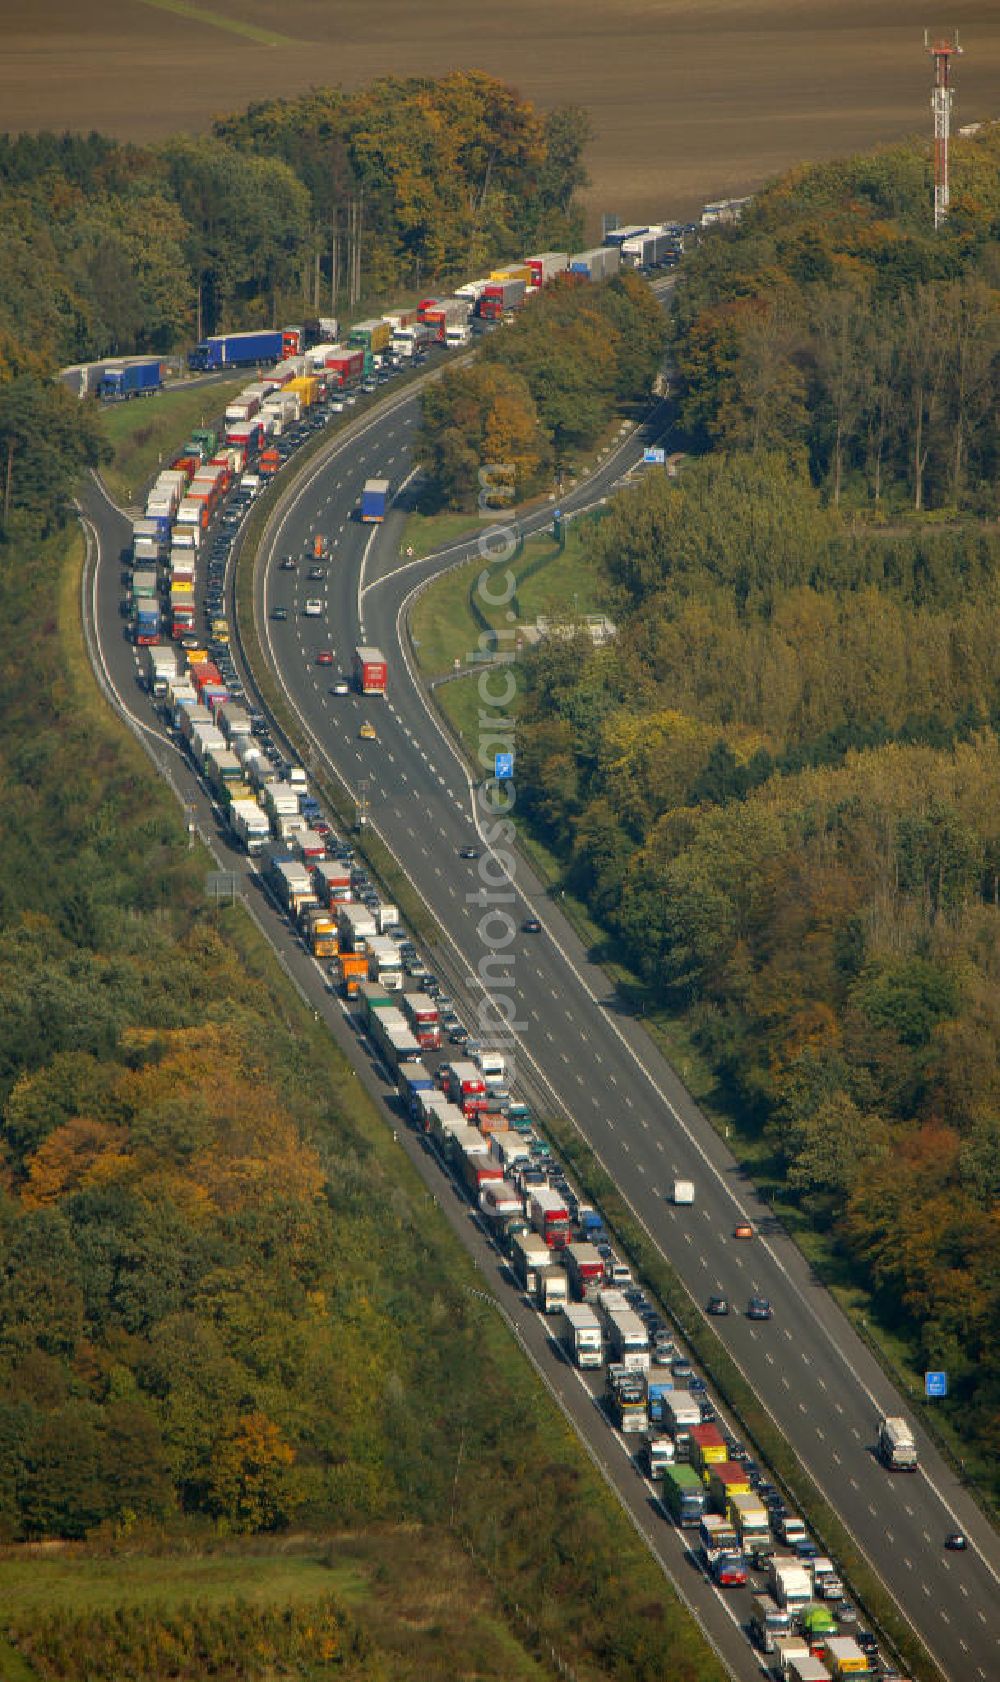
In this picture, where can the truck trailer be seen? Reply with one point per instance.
(581, 1334)
(374, 500)
(129, 379)
(369, 671)
(241, 350)
(897, 1448)
(683, 1496)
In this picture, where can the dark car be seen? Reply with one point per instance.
(707, 1411)
(697, 1386)
(458, 1036)
(956, 1542)
(469, 853)
(718, 1305)
(279, 613)
(288, 563)
(758, 1308)
(531, 925)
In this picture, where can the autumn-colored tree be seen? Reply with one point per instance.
(249, 1483)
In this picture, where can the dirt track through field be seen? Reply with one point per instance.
(691, 99)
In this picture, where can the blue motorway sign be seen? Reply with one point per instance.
(503, 767)
(654, 457)
(935, 1384)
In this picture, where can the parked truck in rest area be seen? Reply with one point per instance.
(581, 1334)
(683, 1496)
(897, 1448)
(129, 379)
(370, 675)
(241, 350)
(374, 500)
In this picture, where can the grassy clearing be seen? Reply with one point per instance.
(425, 534)
(72, 1582)
(145, 432)
(450, 616)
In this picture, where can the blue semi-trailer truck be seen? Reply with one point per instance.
(374, 498)
(242, 350)
(129, 379)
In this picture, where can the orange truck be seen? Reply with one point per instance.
(353, 971)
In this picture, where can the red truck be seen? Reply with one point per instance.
(424, 1018)
(478, 1171)
(549, 1216)
(344, 366)
(206, 676)
(585, 1266)
(370, 671)
(546, 266)
(270, 461)
(465, 1086)
(499, 297)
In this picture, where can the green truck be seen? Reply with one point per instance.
(683, 1495)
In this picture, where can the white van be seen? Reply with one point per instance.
(683, 1192)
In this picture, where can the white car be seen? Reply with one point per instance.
(313, 608)
(340, 688)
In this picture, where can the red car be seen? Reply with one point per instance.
(743, 1230)
(325, 657)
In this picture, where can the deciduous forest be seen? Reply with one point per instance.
(779, 790)
(548, 385)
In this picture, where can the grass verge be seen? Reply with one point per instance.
(146, 431)
(553, 578)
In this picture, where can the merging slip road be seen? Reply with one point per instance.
(578, 1054)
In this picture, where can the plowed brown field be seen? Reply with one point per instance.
(691, 99)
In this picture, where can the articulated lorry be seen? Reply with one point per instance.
(240, 350)
(129, 379)
(374, 501)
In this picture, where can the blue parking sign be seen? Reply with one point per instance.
(503, 767)
(935, 1384)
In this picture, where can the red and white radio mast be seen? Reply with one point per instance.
(941, 51)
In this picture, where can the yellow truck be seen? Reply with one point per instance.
(307, 386)
(516, 271)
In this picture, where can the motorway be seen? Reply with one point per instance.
(578, 1054)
